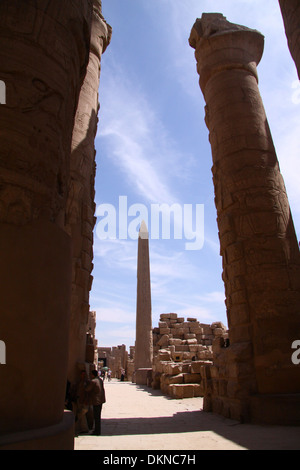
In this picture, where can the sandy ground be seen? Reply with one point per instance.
(139, 418)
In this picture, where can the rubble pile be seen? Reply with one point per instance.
(181, 349)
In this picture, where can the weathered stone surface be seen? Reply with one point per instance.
(182, 390)
(290, 10)
(80, 207)
(180, 357)
(144, 338)
(165, 331)
(259, 248)
(192, 378)
(163, 341)
(174, 369)
(44, 50)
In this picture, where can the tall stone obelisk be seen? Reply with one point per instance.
(144, 343)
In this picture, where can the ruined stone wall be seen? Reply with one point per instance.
(91, 351)
(181, 350)
(117, 358)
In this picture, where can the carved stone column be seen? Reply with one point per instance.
(80, 218)
(261, 260)
(44, 49)
(144, 340)
(290, 10)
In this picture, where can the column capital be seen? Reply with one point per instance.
(220, 45)
(101, 30)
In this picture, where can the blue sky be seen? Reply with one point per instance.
(152, 148)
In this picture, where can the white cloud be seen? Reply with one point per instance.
(211, 297)
(134, 137)
(202, 314)
(114, 314)
(115, 336)
(137, 140)
(278, 79)
(117, 253)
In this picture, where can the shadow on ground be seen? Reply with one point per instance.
(252, 437)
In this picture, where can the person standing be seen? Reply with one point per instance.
(82, 404)
(96, 391)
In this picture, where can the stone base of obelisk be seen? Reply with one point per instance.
(57, 437)
(143, 376)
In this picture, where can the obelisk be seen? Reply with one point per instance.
(143, 344)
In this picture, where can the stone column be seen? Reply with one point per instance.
(44, 50)
(290, 10)
(144, 341)
(80, 218)
(261, 260)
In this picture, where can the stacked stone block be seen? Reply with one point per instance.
(117, 358)
(181, 348)
(227, 380)
(91, 351)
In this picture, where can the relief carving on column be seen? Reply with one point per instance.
(40, 55)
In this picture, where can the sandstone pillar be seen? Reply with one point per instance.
(261, 261)
(43, 55)
(80, 218)
(290, 10)
(144, 341)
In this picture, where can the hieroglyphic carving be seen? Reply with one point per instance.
(44, 49)
(39, 56)
(258, 244)
(80, 219)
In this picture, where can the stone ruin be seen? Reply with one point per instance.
(91, 348)
(49, 113)
(180, 351)
(117, 359)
